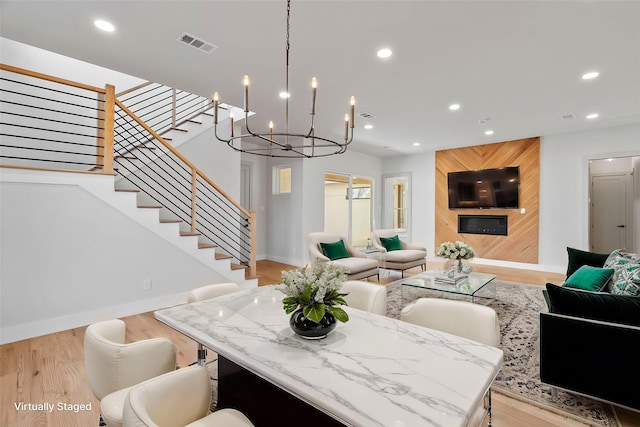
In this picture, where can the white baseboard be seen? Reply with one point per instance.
(63, 323)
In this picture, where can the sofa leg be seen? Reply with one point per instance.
(101, 423)
(489, 407)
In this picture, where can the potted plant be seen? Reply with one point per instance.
(313, 298)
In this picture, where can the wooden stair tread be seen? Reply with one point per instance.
(195, 121)
(189, 233)
(150, 207)
(120, 156)
(207, 114)
(222, 256)
(180, 130)
(169, 221)
(203, 245)
(238, 266)
(127, 190)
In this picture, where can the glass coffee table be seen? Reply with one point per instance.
(466, 287)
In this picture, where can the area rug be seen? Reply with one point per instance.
(518, 307)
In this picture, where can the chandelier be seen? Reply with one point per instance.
(285, 144)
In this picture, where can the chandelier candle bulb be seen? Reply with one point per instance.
(215, 104)
(314, 90)
(353, 107)
(346, 127)
(271, 129)
(246, 94)
(231, 118)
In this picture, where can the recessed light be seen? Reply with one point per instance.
(592, 115)
(488, 132)
(384, 53)
(104, 25)
(416, 144)
(454, 107)
(368, 126)
(590, 75)
(284, 95)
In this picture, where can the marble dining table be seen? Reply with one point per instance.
(370, 371)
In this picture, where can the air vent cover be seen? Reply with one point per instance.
(196, 43)
(367, 115)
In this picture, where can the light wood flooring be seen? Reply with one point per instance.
(50, 368)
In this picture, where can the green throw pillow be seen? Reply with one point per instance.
(589, 278)
(578, 258)
(391, 243)
(335, 250)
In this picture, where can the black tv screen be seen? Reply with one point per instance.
(484, 189)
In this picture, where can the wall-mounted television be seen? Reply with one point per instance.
(484, 189)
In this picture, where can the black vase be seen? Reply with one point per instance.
(309, 329)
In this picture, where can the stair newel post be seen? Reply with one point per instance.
(194, 176)
(109, 118)
(252, 260)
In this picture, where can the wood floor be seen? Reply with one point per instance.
(50, 369)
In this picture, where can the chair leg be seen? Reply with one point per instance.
(489, 407)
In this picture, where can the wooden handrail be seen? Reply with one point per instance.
(133, 89)
(182, 158)
(105, 149)
(50, 78)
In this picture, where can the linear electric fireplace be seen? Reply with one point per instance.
(483, 224)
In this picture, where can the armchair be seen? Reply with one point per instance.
(357, 264)
(404, 258)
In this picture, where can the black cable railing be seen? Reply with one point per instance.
(164, 108)
(162, 175)
(55, 124)
(49, 124)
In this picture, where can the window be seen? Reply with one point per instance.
(281, 179)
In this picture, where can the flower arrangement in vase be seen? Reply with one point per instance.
(455, 251)
(313, 298)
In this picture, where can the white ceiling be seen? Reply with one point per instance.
(518, 63)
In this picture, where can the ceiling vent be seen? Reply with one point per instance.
(568, 117)
(367, 115)
(196, 43)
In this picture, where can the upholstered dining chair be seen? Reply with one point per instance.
(207, 292)
(113, 366)
(396, 254)
(462, 318)
(176, 399)
(331, 248)
(367, 296)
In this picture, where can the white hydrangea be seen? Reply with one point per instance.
(455, 250)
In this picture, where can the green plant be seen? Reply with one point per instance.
(316, 291)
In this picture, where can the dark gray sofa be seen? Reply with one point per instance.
(588, 344)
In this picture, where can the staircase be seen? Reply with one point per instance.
(150, 180)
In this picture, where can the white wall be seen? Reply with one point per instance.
(422, 193)
(564, 160)
(32, 58)
(69, 259)
(564, 185)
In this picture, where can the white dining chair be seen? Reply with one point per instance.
(367, 296)
(462, 318)
(113, 366)
(178, 399)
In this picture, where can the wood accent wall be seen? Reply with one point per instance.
(521, 243)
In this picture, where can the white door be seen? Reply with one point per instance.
(609, 212)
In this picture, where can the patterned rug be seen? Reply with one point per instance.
(518, 307)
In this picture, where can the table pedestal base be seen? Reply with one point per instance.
(264, 403)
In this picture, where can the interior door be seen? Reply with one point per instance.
(608, 212)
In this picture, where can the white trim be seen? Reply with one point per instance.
(63, 323)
